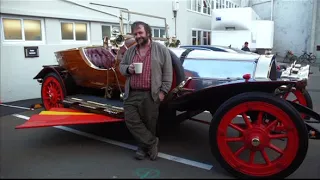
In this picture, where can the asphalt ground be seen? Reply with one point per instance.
(106, 150)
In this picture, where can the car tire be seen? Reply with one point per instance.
(287, 113)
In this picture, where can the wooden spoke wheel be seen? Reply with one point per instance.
(52, 91)
(259, 151)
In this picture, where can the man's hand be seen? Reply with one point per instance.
(161, 96)
(131, 68)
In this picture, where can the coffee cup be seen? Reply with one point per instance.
(138, 68)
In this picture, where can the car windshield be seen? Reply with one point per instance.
(209, 68)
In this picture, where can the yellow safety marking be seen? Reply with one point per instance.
(63, 113)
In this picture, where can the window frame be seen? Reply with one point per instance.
(223, 4)
(192, 37)
(158, 28)
(201, 11)
(207, 37)
(111, 25)
(23, 40)
(202, 31)
(74, 40)
(211, 4)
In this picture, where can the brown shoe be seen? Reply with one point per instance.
(153, 151)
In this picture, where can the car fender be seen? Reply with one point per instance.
(68, 82)
(60, 72)
(263, 68)
(305, 110)
(48, 69)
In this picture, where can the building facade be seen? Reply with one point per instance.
(297, 24)
(61, 24)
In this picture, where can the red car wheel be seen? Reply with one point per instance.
(52, 92)
(257, 137)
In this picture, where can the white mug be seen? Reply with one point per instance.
(138, 67)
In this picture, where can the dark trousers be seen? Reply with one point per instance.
(141, 116)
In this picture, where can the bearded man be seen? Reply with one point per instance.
(144, 91)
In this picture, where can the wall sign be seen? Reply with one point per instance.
(31, 51)
(318, 47)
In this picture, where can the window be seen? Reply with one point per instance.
(74, 31)
(22, 29)
(158, 32)
(206, 38)
(206, 6)
(201, 6)
(201, 37)
(195, 37)
(107, 29)
(220, 4)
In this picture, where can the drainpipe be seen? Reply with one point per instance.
(129, 21)
(71, 2)
(272, 7)
(313, 27)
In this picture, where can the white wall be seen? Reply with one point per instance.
(17, 71)
(292, 22)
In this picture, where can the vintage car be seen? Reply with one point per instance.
(248, 104)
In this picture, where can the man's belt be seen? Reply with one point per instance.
(139, 89)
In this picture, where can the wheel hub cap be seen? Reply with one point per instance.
(256, 138)
(52, 95)
(255, 141)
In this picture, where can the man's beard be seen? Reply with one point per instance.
(142, 41)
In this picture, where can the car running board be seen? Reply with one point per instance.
(107, 107)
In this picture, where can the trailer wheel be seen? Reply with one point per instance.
(257, 136)
(52, 91)
(302, 97)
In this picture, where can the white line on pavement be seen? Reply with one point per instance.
(128, 146)
(19, 107)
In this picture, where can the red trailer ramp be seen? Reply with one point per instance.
(65, 116)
